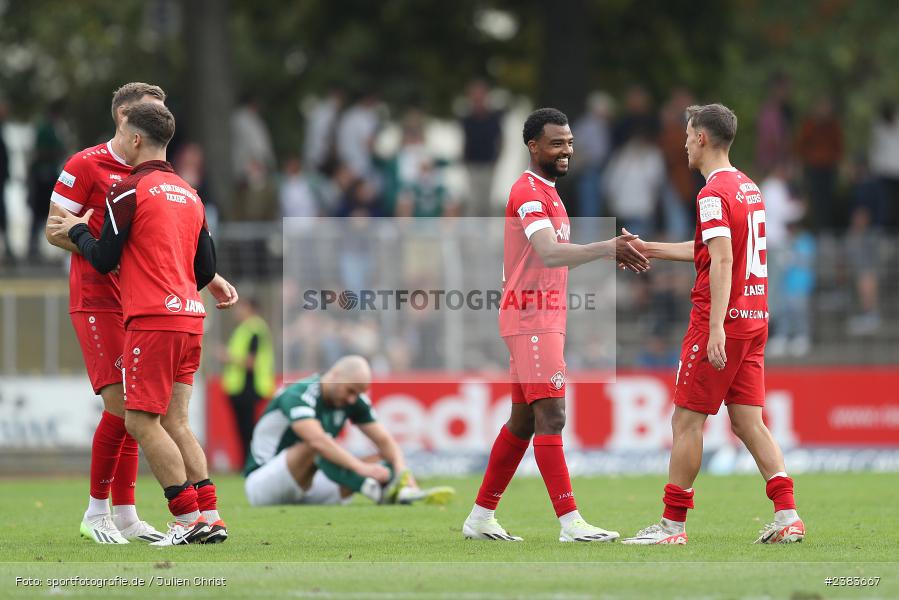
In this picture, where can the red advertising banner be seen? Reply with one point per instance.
(806, 407)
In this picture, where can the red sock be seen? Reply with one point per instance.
(185, 502)
(206, 499)
(125, 473)
(551, 461)
(105, 450)
(506, 454)
(780, 490)
(677, 500)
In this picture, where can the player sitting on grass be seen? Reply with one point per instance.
(294, 458)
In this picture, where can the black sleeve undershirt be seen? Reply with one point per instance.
(204, 260)
(103, 254)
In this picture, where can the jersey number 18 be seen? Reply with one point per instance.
(755, 243)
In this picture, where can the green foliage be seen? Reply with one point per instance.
(422, 53)
(79, 52)
(840, 48)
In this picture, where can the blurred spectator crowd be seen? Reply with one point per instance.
(361, 159)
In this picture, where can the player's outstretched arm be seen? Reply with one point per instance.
(52, 234)
(554, 254)
(311, 432)
(680, 251)
(386, 445)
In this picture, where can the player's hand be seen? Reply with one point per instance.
(637, 244)
(715, 349)
(59, 226)
(376, 471)
(224, 293)
(627, 256)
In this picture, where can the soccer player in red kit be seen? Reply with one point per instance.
(96, 312)
(722, 358)
(536, 257)
(155, 231)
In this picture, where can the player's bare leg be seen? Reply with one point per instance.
(683, 467)
(301, 464)
(159, 448)
(686, 447)
(505, 456)
(748, 425)
(167, 465)
(521, 421)
(114, 399)
(549, 420)
(176, 422)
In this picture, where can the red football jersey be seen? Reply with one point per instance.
(82, 185)
(534, 296)
(730, 205)
(164, 218)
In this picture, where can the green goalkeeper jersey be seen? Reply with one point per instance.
(301, 400)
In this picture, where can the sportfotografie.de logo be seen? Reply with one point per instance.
(441, 299)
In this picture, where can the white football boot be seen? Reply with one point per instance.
(657, 534)
(435, 495)
(141, 531)
(179, 534)
(102, 530)
(582, 531)
(487, 529)
(782, 534)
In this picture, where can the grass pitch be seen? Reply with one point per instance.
(366, 551)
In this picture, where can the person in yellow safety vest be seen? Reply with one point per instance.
(249, 374)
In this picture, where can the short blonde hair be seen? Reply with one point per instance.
(134, 92)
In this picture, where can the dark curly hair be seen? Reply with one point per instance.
(533, 126)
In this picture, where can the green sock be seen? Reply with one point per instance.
(344, 477)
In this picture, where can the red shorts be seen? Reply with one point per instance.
(536, 366)
(101, 336)
(699, 387)
(153, 362)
